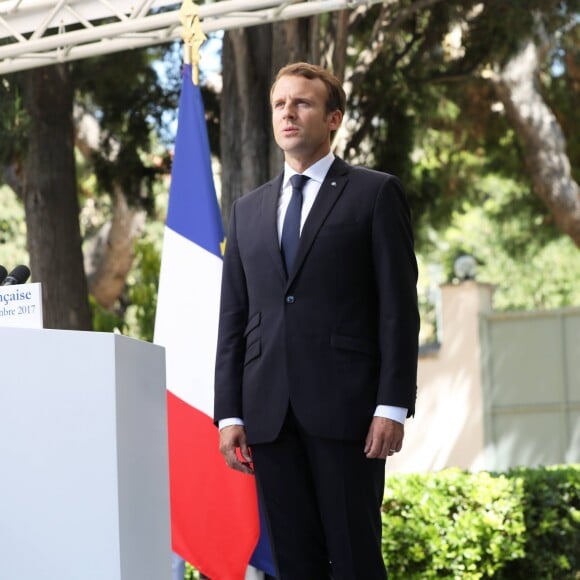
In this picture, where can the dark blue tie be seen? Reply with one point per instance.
(291, 227)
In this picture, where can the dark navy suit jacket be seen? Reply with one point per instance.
(336, 336)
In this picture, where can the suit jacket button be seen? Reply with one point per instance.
(290, 299)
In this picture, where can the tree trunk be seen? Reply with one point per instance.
(340, 44)
(109, 255)
(251, 57)
(50, 199)
(110, 252)
(245, 112)
(543, 140)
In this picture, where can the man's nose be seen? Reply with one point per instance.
(289, 110)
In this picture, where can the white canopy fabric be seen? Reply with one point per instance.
(36, 33)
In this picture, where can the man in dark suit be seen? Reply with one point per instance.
(317, 349)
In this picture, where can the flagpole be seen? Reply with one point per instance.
(193, 37)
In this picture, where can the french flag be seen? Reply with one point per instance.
(215, 523)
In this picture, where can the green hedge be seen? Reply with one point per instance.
(552, 516)
(454, 524)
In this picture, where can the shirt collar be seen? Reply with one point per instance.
(317, 172)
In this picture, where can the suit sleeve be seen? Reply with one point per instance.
(232, 323)
(396, 275)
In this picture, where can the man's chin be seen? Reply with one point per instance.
(289, 140)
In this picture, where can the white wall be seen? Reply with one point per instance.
(502, 390)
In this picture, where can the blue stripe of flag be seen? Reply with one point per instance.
(262, 556)
(193, 209)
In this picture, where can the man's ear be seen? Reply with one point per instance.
(334, 120)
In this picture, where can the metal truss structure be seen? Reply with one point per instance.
(36, 33)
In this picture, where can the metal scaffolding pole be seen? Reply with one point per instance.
(37, 33)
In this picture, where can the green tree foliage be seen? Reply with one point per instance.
(12, 230)
(123, 91)
(540, 274)
(421, 110)
(424, 111)
(135, 315)
(142, 289)
(126, 156)
(13, 123)
(508, 231)
(106, 320)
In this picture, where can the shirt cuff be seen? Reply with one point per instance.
(229, 422)
(398, 414)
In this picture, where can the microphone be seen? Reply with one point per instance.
(3, 274)
(18, 276)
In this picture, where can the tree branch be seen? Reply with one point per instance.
(516, 86)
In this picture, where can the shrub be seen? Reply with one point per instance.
(451, 524)
(552, 517)
(524, 524)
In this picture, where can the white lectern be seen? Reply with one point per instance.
(84, 492)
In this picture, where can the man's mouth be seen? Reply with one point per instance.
(290, 130)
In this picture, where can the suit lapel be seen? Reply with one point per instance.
(330, 190)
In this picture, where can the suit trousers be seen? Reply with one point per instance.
(322, 500)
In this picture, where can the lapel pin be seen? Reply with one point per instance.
(333, 183)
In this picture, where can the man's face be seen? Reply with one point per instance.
(302, 127)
